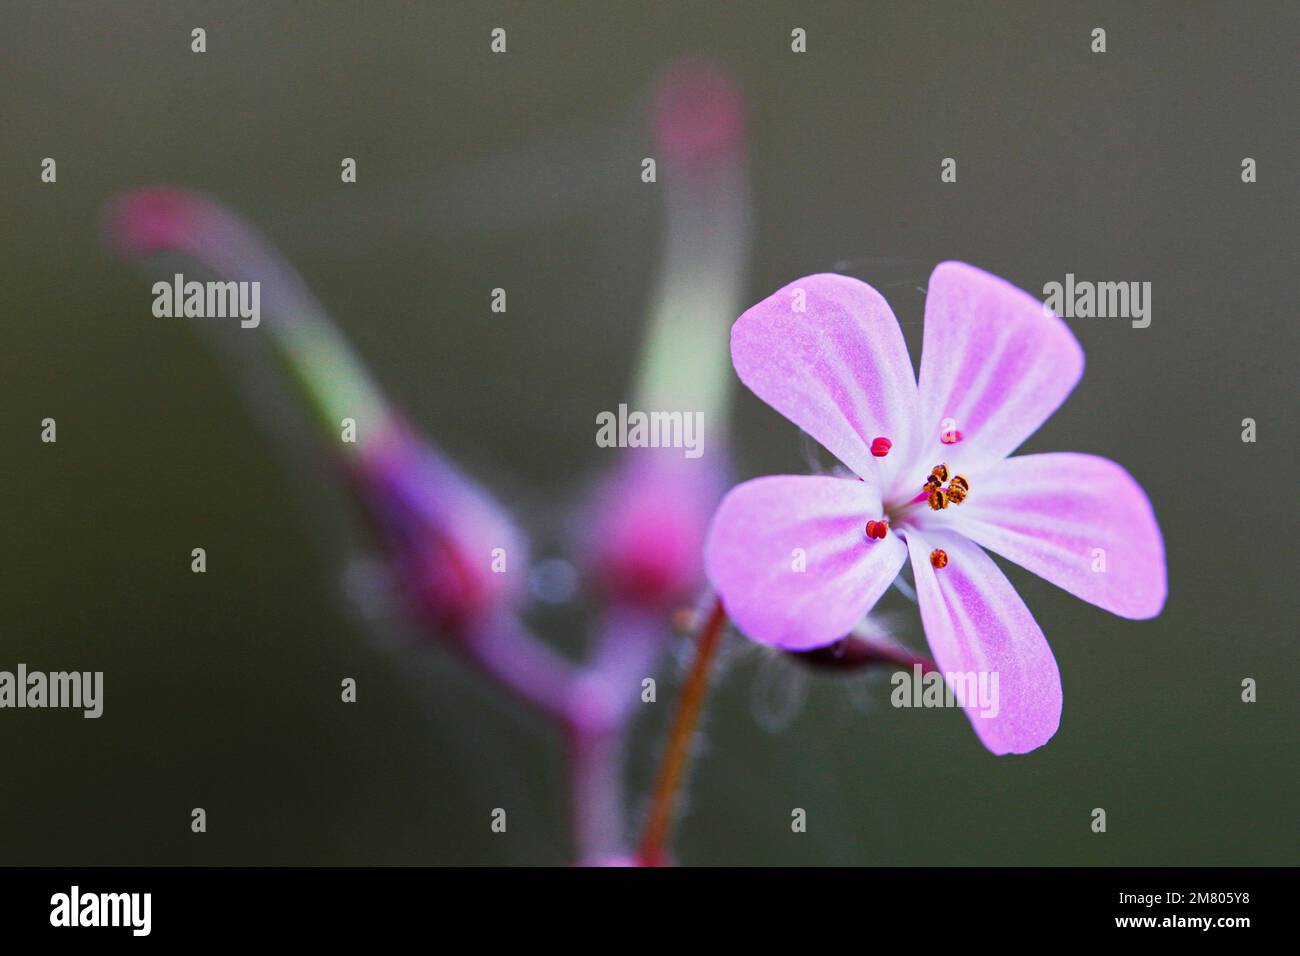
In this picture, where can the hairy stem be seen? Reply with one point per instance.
(671, 771)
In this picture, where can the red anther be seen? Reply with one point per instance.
(877, 529)
(880, 446)
(950, 437)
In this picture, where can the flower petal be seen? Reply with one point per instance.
(1050, 514)
(976, 623)
(994, 363)
(790, 558)
(827, 353)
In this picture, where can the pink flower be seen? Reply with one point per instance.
(790, 555)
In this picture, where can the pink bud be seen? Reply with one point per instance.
(698, 113)
(455, 551)
(155, 220)
(647, 523)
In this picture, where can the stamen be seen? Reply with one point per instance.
(950, 437)
(877, 529)
(940, 497)
(880, 446)
(939, 558)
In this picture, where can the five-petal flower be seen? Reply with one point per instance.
(790, 556)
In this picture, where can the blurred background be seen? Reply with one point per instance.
(522, 171)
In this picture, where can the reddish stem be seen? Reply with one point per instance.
(655, 841)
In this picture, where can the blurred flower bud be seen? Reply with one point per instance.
(453, 549)
(645, 530)
(647, 523)
(698, 113)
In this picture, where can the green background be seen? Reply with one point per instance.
(521, 171)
